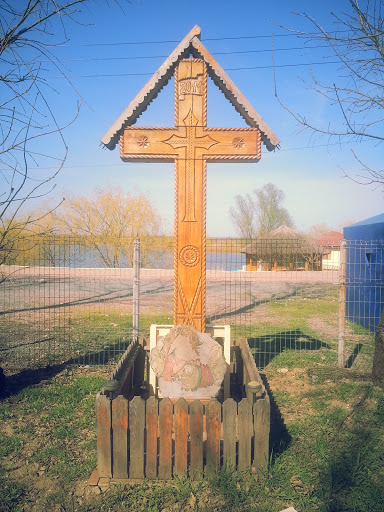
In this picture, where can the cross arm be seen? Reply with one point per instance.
(234, 144)
(147, 145)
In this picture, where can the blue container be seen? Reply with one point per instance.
(365, 272)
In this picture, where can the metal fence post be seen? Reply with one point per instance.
(342, 294)
(136, 289)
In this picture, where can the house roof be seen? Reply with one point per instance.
(283, 231)
(330, 239)
(190, 45)
(282, 240)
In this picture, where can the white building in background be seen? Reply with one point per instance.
(330, 244)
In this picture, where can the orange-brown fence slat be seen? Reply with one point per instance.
(196, 443)
(136, 434)
(165, 433)
(103, 416)
(151, 428)
(229, 433)
(120, 437)
(181, 437)
(245, 433)
(261, 415)
(213, 421)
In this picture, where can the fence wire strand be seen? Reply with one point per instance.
(60, 304)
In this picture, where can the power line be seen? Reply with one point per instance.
(245, 68)
(122, 164)
(173, 41)
(97, 59)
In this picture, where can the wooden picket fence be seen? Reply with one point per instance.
(156, 438)
(153, 438)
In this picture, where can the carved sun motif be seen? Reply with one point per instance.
(189, 256)
(143, 141)
(238, 143)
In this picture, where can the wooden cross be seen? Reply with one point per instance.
(190, 144)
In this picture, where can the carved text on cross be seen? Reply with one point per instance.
(190, 141)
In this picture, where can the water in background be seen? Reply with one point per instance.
(77, 256)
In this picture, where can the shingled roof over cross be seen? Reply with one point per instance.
(190, 45)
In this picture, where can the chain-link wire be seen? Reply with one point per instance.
(59, 303)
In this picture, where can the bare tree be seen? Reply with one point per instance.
(357, 92)
(108, 221)
(243, 216)
(270, 211)
(261, 213)
(29, 30)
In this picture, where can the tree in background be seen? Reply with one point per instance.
(261, 213)
(29, 30)
(243, 216)
(317, 230)
(270, 211)
(357, 92)
(108, 221)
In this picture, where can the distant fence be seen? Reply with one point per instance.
(59, 303)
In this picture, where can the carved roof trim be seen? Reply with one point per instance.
(233, 94)
(191, 44)
(151, 89)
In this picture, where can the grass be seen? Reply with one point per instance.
(82, 337)
(48, 434)
(327, 437)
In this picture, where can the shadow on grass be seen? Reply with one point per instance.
(279, 437)
(252, 305)
(15, 383)
(355, 353)
(266, 347)
(352, 480)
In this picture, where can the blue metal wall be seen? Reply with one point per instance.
(365, 272)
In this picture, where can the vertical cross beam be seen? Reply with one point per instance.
(190, 144)
(190, 196)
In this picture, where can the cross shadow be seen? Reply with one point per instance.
(355, 353)
(101, 298)
(253, 304)
(265, 348)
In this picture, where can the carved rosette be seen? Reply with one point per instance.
(238, 143)
(143, 141)
(189, 256)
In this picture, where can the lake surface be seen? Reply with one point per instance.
(77, 256)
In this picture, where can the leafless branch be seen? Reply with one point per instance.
(358, 93)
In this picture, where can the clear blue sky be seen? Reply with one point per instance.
(112, 55)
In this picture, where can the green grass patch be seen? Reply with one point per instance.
(51, 433)
(12, 495)
(330, 460)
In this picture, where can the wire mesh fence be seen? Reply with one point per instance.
(365, 282)
(59, 302)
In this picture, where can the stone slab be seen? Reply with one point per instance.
(188, 364)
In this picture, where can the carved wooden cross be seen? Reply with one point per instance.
(190, 144)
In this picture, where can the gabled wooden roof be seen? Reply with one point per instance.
(190, 45)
